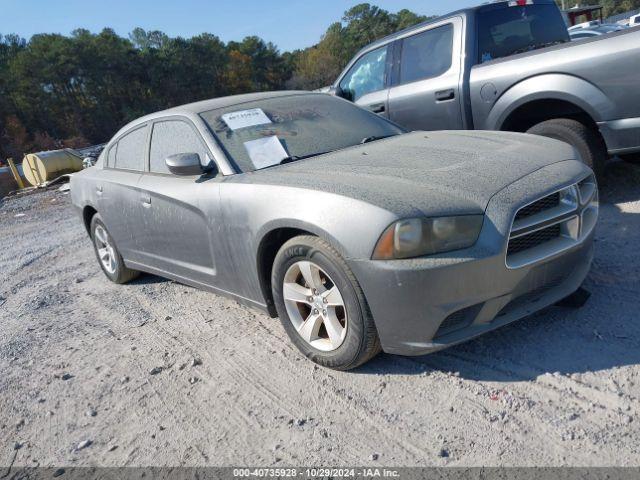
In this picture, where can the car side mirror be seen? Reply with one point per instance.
(340, 92)
(184, 164)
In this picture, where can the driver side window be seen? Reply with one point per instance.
(367, 75)
(170, 137)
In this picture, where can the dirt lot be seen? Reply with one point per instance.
(156, 373)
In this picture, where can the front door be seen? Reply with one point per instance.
(425, 93)
(178, 238)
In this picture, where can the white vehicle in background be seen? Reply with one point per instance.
(634, 21)
(591, 32)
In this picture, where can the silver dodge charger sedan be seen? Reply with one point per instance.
(360, 236)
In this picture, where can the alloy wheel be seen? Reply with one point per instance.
(315, 306)
(106, 252)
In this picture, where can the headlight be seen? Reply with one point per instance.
(416, 237)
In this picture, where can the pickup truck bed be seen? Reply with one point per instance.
(597, 80)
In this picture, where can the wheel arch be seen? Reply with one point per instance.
(537, 111)
(271, 240)
(549, 96)
(88, 212)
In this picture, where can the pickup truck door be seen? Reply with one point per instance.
(425, 80)
(365, 83)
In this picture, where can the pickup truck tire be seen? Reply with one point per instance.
(587, 142)
(631, 158)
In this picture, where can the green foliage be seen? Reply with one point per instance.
(320, 65)
(72, 90)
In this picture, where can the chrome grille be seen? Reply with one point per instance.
(538, 206)
(533, 239)
(552, 223)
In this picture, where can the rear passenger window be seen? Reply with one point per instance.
(111, 161)
(171, 137)
(427, 54)
(130, 150)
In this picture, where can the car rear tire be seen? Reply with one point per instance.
(588, 143)
(321, 305)
(109, 258)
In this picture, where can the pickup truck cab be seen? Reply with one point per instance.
(505, 66)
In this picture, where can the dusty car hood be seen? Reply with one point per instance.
(421, 172)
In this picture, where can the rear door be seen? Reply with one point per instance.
(178, 236)
(365, 83)
(425, 84)
(118, 193)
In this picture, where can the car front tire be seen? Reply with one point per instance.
(107, 253)
(321, 305)
(588, 143)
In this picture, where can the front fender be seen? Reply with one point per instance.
(563, 87)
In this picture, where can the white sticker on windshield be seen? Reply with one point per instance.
(265, 152)
(245, 118)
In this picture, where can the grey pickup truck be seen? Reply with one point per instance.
(506, 66)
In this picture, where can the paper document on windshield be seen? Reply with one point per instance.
(245, 118)
(265, 152)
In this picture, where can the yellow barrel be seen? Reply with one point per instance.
(41, 167)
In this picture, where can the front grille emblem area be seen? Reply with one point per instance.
(553, 223)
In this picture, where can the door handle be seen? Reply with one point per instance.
(377, 108)
(146, 202)
(99, 190)
(444, 95)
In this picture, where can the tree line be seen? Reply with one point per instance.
(72, 91)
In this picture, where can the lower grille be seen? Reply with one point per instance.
(531, 240)
(533, 295)
(458, 320)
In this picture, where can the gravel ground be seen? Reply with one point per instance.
(158, 374)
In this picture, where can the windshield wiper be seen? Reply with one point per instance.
(295, 158)
(373, 138)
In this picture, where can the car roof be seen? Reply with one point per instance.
(193, 109)
(222, 102)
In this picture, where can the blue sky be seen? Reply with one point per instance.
(289, 24)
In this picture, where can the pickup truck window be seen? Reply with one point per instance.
(427, 54)
(367, 75)
(510, 30)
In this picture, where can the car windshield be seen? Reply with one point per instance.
(272, 131)
(508, 30)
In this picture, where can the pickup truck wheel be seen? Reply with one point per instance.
(321, 305)
(631, 158)
(109, 258)
(588, 143)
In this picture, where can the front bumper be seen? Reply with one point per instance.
(423, 305)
